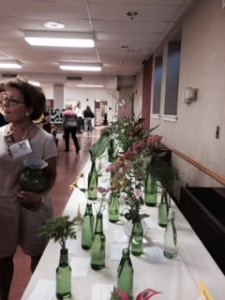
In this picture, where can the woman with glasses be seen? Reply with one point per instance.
(2, 117)
(22, 213)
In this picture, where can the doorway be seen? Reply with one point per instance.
(101, 108)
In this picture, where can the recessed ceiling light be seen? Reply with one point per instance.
(59, 39)
(54, 25)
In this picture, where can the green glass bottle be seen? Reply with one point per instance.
(114, 207)
(93, 182)
(98, 245)
(137, 238)
(163, 209)
(170, 238)
(63, 276)
(87, 228)
(125, 273)
(150, 190)
(110, 151)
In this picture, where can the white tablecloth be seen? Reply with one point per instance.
(177, 279)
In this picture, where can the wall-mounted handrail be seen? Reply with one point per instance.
(215, 175)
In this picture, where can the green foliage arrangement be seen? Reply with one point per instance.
(59, 229)
(99, 147)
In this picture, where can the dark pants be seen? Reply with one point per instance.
(79, 124)
(72, 131)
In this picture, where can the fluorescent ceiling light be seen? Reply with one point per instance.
(10, 64)
(80, 67)
(90, 85)
(59, 39)
(35, 83)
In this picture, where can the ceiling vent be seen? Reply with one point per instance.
(9, 75)
(74, 78)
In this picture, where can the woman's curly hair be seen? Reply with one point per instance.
(33, 96)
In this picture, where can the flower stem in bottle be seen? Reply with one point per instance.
(87, 228)
(137, 238)
(150, 190)
(98, 245)
(63, 276)
(114, 207)
(170, 238)
(93, 183)
(163, 209)
(125, 273)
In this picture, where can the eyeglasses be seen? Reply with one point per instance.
(11, 101)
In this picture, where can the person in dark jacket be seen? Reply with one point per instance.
(88, 116)
(70, 127)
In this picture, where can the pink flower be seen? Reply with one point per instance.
(144, 295)
(139, 145)
(124, 295)
(111, 168)
(153, 139)
(147, 294)
(129, 155)
(138, 193)
(102, 190)
(119, 294)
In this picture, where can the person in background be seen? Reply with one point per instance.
(2, 117)
(22, 213)
(88, 116)
(46, 122)
(70, 127)
(79, 114)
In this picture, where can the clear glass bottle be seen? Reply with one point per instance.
(114, 207)
(137, 238)
(63, 276)
(93, 182)
(170, 238)
(163, 209)
(125, 273)
(87, 228)
(98, 245)
(150, 190)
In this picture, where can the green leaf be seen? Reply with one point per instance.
(59, 229)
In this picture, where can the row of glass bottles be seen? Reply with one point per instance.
(125, 269)
(93, 237)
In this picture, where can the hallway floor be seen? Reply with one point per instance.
(69, 166)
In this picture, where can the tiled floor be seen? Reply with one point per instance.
(69, 167)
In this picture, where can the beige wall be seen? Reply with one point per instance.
(86, 96)
(202, 67)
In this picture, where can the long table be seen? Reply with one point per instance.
(176, 279)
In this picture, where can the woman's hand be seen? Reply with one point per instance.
(30, 199)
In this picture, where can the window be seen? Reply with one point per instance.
(172, 78)
(157, 85)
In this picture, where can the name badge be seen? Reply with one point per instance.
(20, 148)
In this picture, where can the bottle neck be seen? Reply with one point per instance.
(126, 253)
(63, 257)
(88, 210)
(99, 224)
